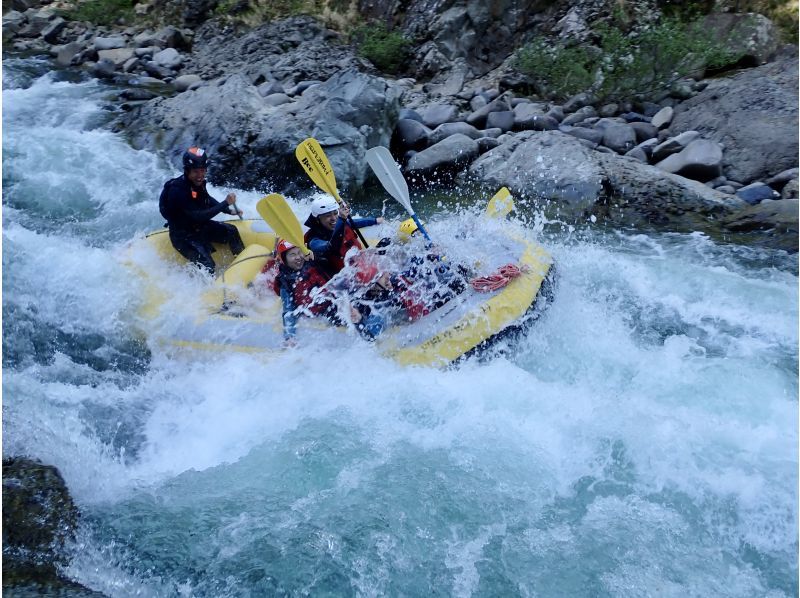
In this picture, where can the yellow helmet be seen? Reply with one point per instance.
(407, 229)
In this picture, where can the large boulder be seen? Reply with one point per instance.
(447, 154)
(39, 518)
(552, 165)
(777, 218)
(753, 114)
(548, 164)
(751, 35)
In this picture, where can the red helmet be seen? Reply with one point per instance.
(283, 246)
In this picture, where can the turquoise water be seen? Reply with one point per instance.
(640, 440)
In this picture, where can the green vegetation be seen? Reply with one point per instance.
(387, 50)
(101, 12)
(623, 65)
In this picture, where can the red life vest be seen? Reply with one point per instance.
(310, 278)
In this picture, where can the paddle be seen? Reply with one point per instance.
(314, 161)
(500, 205)
(388, 173)
(277, 213)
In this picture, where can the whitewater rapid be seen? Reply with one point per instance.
(641, 439)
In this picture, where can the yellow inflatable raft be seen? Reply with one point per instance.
(466, 325)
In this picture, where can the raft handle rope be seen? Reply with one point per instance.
(493, 282)
(226, 305)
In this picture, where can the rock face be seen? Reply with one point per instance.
(753, 115)
(251, 142)
(39, 517)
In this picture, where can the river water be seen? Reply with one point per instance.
(640, 440)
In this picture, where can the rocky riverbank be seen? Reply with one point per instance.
(717, 154)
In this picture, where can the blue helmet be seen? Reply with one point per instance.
(195, 157)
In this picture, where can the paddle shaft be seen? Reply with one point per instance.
(317, 166)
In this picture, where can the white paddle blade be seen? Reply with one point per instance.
(388, 173)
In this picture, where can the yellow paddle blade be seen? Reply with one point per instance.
(314, 161)
(277, 213)
(500, 205)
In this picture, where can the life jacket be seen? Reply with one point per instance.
(334, 261)
(301, 283)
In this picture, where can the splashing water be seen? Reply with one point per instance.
(641, 439)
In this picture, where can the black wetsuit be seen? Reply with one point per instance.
(189, 214)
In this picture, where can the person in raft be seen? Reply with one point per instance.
(300, 284)
(188, 209)
(329, 234)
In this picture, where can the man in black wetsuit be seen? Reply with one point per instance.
(189, 209)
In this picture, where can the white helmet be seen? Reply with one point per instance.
(323, 205)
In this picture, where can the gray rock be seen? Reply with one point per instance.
(437, 114)
(411, 134)
(556, 113)
(726, 189)
(172, 37)
(757, 192)
(270, 87)
(119, 56)
(51, 32)
(517, 101)
(487, 143)
(681, 91)
(478, 118)
(751, 34)
(673, 145)
(156, 70)
(184, 82)
(137, 94)
(601, 124)
(146, 52)
(755, 114)
(644, 131)
(410, 114)
(580, 115)
(608, 110)
(169, 58)
(662, 118)
(453, 151)
(635, 117)
(277, 99)
(146, 39)
(301, 87)
(790, 190)
(501, 120)
(782, 178)
(620, 138)
(491, 132)
(109, 43)
(40, 519)
(596, 137)
(577, 102)
(547, 164)
(104, 69)
(251, 145)
(533, 116)
(637, 153)
(779, 217)
(701, 160)
(67, 52)
(447, 129)
(478, 102)
(647, 147)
